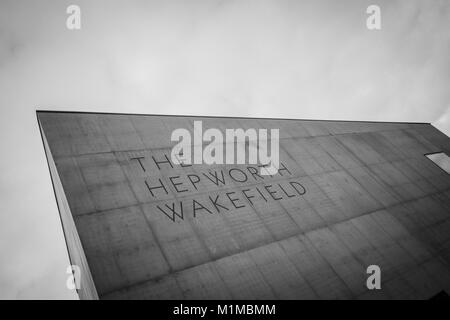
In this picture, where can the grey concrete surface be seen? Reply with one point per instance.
(372, 197)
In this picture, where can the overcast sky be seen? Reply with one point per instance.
(297, 59)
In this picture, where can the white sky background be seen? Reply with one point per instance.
(297, 59)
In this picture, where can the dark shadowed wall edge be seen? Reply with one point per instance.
(87, 290)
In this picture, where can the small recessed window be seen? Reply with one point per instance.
(441, 159)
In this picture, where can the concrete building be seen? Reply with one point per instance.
(348, 195)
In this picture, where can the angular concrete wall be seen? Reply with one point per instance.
(351, 194)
